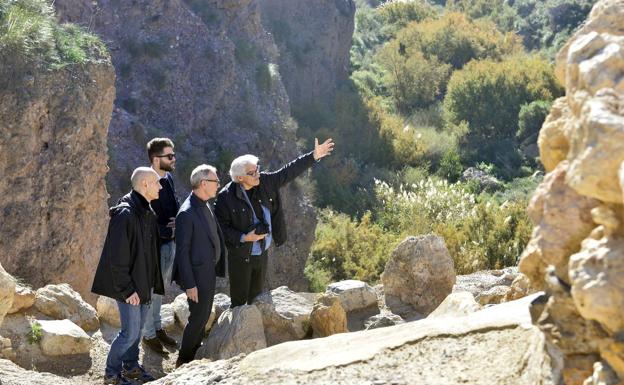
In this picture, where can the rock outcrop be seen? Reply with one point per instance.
(63, 337)
(419, 274)
(205, 74)
(412, 353)
(53, 162)
(314, 55)
(7, 292)
(577, 247)
(62, 302)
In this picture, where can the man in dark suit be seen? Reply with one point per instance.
(200, 256)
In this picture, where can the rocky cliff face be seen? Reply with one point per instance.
(577, 249)
(205, 74)
(314, 39)
(53, 126)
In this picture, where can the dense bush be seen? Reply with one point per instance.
(531, 117)
(488, 94)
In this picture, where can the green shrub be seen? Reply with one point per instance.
(488, 94)
(28, 29)
(450, 166)
(35, 333)
(531, 117)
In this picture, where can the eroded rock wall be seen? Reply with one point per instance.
(577, 249)
(53, 154)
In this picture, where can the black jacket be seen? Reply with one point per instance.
(236, 218)
(130, 260)
(194, 262)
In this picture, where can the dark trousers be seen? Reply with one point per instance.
(247, 276)
(200, 312)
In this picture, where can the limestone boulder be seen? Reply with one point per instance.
(382, 320)
(108, 311)
(328, 316)
(7, 292)
(456, 305)
(481, 281)
(353, 295)
(596, 273)
(562, 219)
(63, 337)
(285, 315)
(6, 349)
(23, 299)
(63, 302)
(419, 273)
(167, 317)
(238, 330)
(181, 311)
(520, 287)
(221, 303)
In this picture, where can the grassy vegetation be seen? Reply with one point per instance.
(35, 333)
(29, 31)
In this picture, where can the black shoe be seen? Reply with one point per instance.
(116, 380)
(155, 345)
(165, 339)
(138, 374)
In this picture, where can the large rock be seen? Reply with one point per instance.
(182, 313)
(63, 337)
(238, 330)
(382, 320)
(53, 165)
(482, 281)
(204, 73)
(576, 248)
(420, 273)
(562, 219)
(7, 292)
(285, 315)
(497, 294)
(108, 311)
(62, 302)
(430, 351)
(328, 316)
(12, 374)
(353, 295)
(23, 299)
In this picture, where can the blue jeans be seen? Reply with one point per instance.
(125, 347)
(153, 322)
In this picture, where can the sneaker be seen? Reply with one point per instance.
(139, 374)
(116, 380)
(155, 345)
(165, 339)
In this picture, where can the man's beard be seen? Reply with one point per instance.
(167, 167)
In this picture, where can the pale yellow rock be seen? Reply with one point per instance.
(562, 220)
(63, 337)
(613, 352)
(328, 317)
(598, 148)
(23, 299)
(63, 302)
(520, 287)
(7, 292)
(606, 216)
(108, 311)
(554, 137)
(596, 273)
(494, 295)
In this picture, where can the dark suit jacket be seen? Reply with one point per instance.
(194, 262)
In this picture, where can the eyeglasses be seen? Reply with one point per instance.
(217, 181)
(254, 172)
(168, 156)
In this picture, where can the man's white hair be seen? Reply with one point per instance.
(239, 164)
(140, 174)
(201, 172)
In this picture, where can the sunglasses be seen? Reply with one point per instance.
(168, 156)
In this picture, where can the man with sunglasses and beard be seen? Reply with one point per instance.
(163, 161)
(250, 215)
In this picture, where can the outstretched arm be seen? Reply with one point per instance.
(294, 168)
